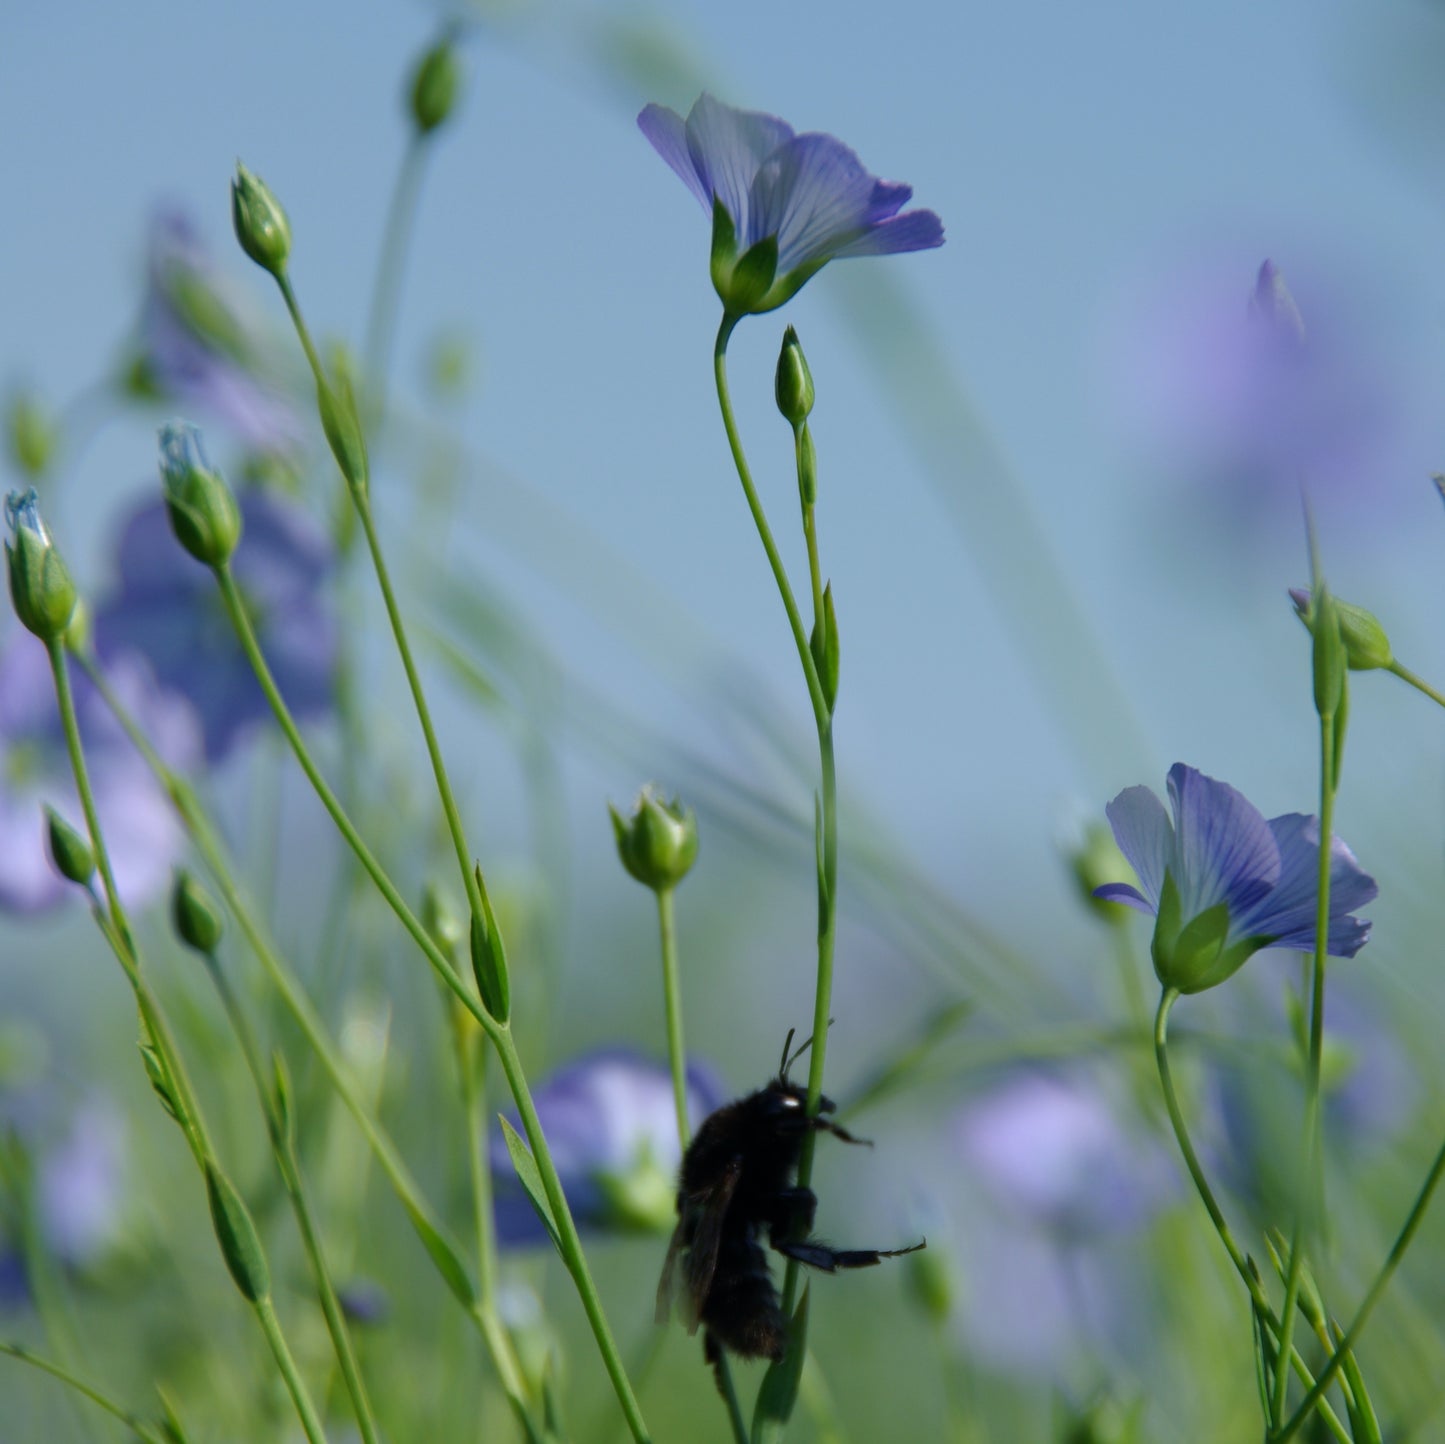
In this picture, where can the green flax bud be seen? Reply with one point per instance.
(260, 223)
(1366, 645)
(31, 435)
(434, 87)
(195, 915)
(202, 510)
(69, 849)
(658, 842)
(40, 587)
(793, 383)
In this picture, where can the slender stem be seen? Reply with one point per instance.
(730, 1399)
(289, 1167)
(471, 1059)
(672, 998)
(775, 561)
(303, 334)
(305, 1409)
(1313, 1399)
(1420, 685)
(1309, 1194)
(89, 1391)
(498, 1031)
(386, 288)
(570, 1244)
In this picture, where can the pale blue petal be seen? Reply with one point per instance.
(814, 195)
(727, 147)
(1123, 892)
(1288, 914)
(912, 231)
(667, 131)
(1145, 836)
(1223, 848)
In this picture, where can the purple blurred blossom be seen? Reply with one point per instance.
(141, 832)
(1255, 395)
(810, 191)
(1219, 849)
(612, 1130)
(80, 1183)
(167, 608)
(199, 349)
(1055, 1181)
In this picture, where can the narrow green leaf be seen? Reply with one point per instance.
(531, 1180)
(489, 957)
(1364, 1424)
(778, 1393)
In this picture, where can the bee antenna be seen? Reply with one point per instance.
(783, 1066)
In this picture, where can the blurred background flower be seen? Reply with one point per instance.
(610, 1119)
(140, 830)
(166, 607)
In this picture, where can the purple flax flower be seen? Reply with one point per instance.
(1055, 1183)
(199, 349)
(1224, 883)
(141, 833)
(783, 205)
(167, 608)
(612, 1129)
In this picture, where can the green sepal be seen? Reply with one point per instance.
(778, 1393)
(489, 957)
(823, 644)
(751, 277)
(1191, 957)
(259, 221)
(658, 842)
(40, 586)
(724, 248)
(69, 850)
(160, 1080)
(1367, 644)
(235, 1232)
(530, 1178)
(341, 421)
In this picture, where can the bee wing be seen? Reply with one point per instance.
(666, 1284)
(710, 1210)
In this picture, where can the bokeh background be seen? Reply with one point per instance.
(1059, 532)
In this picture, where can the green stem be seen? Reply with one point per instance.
(137, 1426)
(760, 521)
(672, 998)
(499, 1032)
(569, 1243)
(1314, 1398)
(117, 931)
(1309, 1194)
(305, 1409)
(288, 1165)
(386, 289)
(730, 1399)
(1418, 683)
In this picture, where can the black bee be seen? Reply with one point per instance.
(736, 1181)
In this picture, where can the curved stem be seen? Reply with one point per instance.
(137, 1426)
(386, 288)
(1308, 1197)
(1314, 1398)
(775, 561)
(1418, 683)
(289, 1167)
(305, 1409)
(495, 1029)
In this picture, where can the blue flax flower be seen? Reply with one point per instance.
(141, 832)
(783, 205)
(1223, 883)
(167, 608)
(612, 1129)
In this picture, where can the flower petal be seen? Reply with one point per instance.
(814, 195)
(912, 231)
(727, 147)
(1145, 836)
(667, 131)
(1122, 892)
(1224, 850)
(1288, 914)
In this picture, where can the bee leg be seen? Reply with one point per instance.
(830, 1260)
(792, 1214)
(712, 1352)
(825, 1125)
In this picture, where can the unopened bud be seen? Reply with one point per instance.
(658, 842)
(31, 435)
(203, 513)
(793, 383)
(260, 223)
(69, 850)
(1366, 645)
(434, 87)
(40, 586)
(197, 919)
